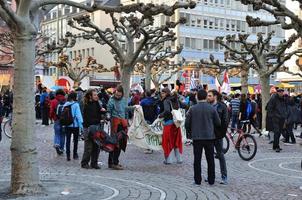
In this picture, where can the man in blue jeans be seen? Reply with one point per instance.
(235, 105)
(215, 98)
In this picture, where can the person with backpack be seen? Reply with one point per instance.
(71, 118)
(235, 109)
(45, 105)
(92, 115)
(56, 108)
(253, 114)
(215, 99)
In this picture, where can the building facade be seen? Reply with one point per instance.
(55, 24)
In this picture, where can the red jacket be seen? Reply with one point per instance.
(53, 106)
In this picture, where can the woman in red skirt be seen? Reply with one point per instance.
(171, 139)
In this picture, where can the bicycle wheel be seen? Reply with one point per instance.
(247, 148)
(226, 144)
(7, 128)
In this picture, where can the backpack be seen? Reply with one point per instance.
(249, 109)
(66, 117)
(59, 109)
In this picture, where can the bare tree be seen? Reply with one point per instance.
(79, 68)
(24, 24)
(131, 34)
(279, 10)
(160, 71)
(267, 59)
(152, 59)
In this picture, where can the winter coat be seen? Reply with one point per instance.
(43, 98)
(166, 110)
(149, 106)
(201, 119)
(276, 107)
(92, 114)
(118, 108)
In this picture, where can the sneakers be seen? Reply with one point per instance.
(148, 151)
(58, 150)
(224, 181)
(278, 150)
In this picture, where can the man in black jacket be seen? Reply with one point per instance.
(201, 119)
(276, 107)
(214, 98)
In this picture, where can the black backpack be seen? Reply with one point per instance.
(66, 117)
(59, 109)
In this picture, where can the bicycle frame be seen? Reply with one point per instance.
(231, 136)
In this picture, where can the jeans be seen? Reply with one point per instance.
(235, 119)
(208, 146)
(59, 138)
(219, 146)
(69, 131)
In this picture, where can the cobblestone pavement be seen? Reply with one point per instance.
(268, 176)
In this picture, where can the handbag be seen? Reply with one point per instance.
(178, 118)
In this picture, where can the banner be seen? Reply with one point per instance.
(148, 136)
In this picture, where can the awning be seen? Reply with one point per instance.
(285, 85)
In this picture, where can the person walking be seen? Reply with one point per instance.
(215, 99)
(292, 118)
(171, 138)
(56, 108)
(277, 109)
(75, 127)
(117, 109)
(235, 106)
(45, 105)
(92, 115)
(201, 119)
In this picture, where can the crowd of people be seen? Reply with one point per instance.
(208, 115)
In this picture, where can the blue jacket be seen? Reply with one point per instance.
(118, 108)
(76, 113)
(42, 98)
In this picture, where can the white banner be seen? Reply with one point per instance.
(148, 136)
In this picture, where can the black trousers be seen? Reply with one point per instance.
(75, 132)
(91, 152)
(113, 158)
(278, 126)
(289, 133)
(208, 146)
(45, 115)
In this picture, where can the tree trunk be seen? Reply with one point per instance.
(76, 84)
(24, 166)
(148, 78)
(156, 85)
(265, 94)
(244, 81)
(125, 79)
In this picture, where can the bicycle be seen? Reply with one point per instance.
(245, 144)
(7, 127)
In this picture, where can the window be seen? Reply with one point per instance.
(205, 23)
(83, 53)
(193, 21)
(233, 25)
(70, 54)
(75, 54)
(205, 2)
(88, 52)
(79, 53)
(187, 42)
(238, 25)
(54, 15)
(216, 23)
(181, 41)
(211, 45)
(254, 30)
(216, 46)
(221, 25)
(92, 51)
(211, 23)
(198, 44)
(243, 26)
(193, 43)
(198, 23)
(205, 44)
(73, 10)
(227, 25)
(66, 10)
